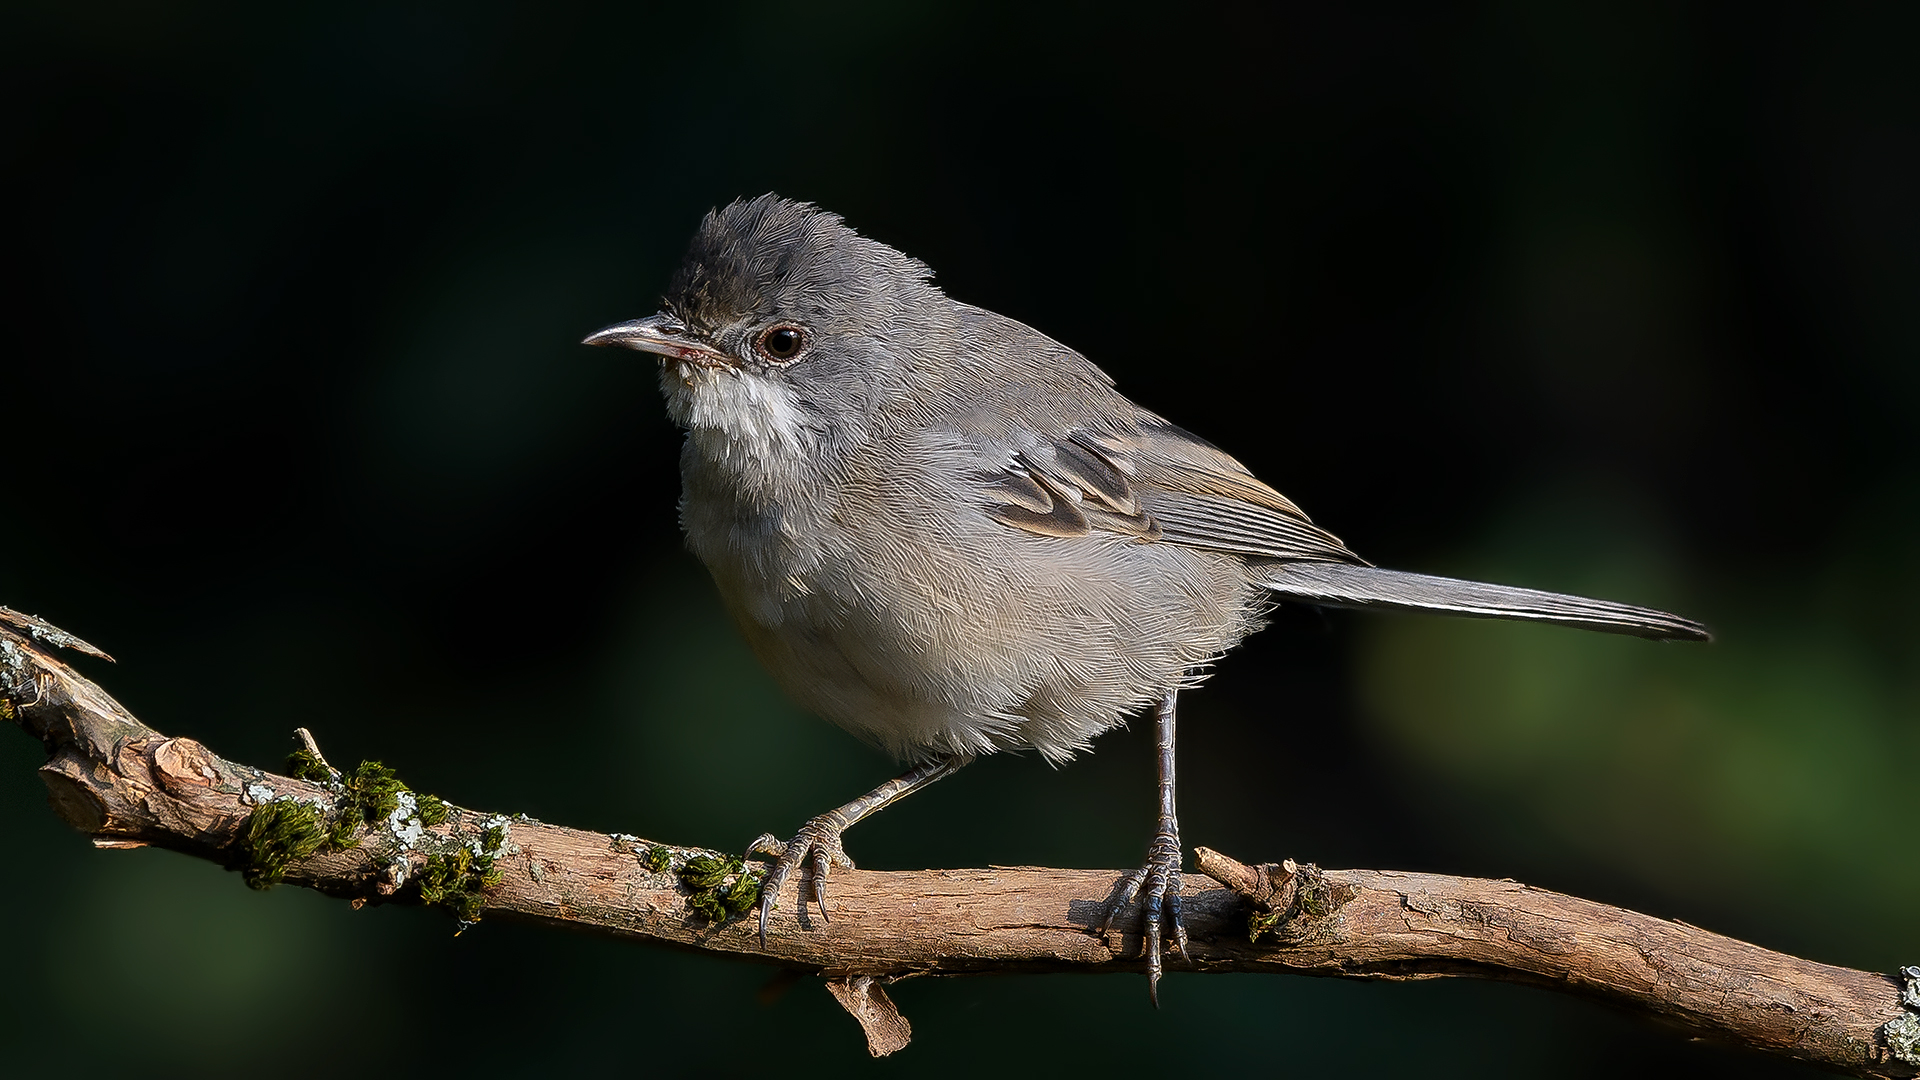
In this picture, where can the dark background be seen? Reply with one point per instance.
(1595, 299)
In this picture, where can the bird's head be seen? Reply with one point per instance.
(779, 306)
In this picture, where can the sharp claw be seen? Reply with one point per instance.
(820, 864)
(1157, 886)
(1127, 896)
(1173, 910)
(814, 852)
(769, 889)
(1153, 952)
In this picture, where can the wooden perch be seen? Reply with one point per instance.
(361, 836)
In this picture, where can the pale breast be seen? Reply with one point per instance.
(938, 630)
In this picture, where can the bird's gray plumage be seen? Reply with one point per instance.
(950, 534)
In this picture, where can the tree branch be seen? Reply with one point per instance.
(362, 836)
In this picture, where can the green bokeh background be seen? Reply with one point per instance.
(1604, 300)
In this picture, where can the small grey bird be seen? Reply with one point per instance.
(950, 535)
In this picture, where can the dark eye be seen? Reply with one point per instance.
(782, 342)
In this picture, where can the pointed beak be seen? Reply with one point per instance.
(662, 335)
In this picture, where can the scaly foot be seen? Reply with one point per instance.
(816, 844)
(1158, 885)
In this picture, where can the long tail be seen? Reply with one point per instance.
(1344, 585)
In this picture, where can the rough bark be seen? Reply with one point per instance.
(125, 784)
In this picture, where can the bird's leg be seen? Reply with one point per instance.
(818, 841)
(1159, 880)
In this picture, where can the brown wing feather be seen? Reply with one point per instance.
(1156, 483)
(1037, 504)
(1204, 498)
(1182, 461)
(1066, 489)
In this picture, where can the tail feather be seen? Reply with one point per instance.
(1344, 585)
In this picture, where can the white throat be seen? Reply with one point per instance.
(745, 423)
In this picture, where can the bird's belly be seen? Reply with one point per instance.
(925, 652)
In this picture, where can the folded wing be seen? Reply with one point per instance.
(1159, 484)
